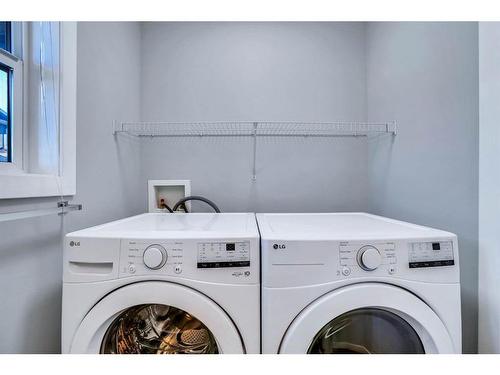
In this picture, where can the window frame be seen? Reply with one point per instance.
(15, 179)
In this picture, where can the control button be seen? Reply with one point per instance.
(346, 271)
(369, 258)
(391, 270)
(177, 268)
(155, 257)
(131, 268)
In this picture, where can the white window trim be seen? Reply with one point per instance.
(18, 183)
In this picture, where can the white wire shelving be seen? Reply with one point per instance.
(255, 129)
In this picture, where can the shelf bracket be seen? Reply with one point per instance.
(117, 127)
(391, 128)
(66, 207)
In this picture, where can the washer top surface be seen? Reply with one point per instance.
(339, 226)
(179, 225)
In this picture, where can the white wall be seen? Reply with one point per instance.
(425, 77)
(107, 185)
(258, 71)
(489, 187)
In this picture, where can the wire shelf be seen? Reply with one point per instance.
(254, 129)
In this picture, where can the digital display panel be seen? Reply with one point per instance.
(431, 254)
(223, 254)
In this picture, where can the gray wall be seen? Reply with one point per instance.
(107, 185)
(258, 71)
(30, 276)
(425, 77)
(108, 90)
(489, 187)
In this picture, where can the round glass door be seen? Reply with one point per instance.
(157, 329)
(365, 331)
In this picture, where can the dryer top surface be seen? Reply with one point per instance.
(340, 226)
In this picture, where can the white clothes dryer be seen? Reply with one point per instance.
(358, 283)
(163, 283)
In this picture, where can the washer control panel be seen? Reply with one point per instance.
(367, 257)
(141, 257)
(223, 254)
(430, 254)
(219, 260)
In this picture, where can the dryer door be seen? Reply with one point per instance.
(156, 317)
(367, 318)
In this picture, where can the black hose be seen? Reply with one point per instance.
(164, 205)
(196, 198)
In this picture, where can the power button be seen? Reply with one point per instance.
(131, 268)
(346, 271)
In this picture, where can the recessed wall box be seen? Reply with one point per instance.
(169, 190)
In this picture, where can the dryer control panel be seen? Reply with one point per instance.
(430, 254)
(367, 257)
(287, 264)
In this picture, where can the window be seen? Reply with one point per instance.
(367, 330)
(11, 100)
(37, 109)
(5, 75)
(4, 114)
(5, 36)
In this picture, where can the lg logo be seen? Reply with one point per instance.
(281, 247)
(74, 243)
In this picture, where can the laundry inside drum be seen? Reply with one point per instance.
(158, 329)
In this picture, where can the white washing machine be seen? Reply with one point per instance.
(163, 283)
(357, 283)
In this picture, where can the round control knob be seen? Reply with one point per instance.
(369, 258)
(154, 257)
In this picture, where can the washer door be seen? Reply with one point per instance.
(367, 318)
(156, 317)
